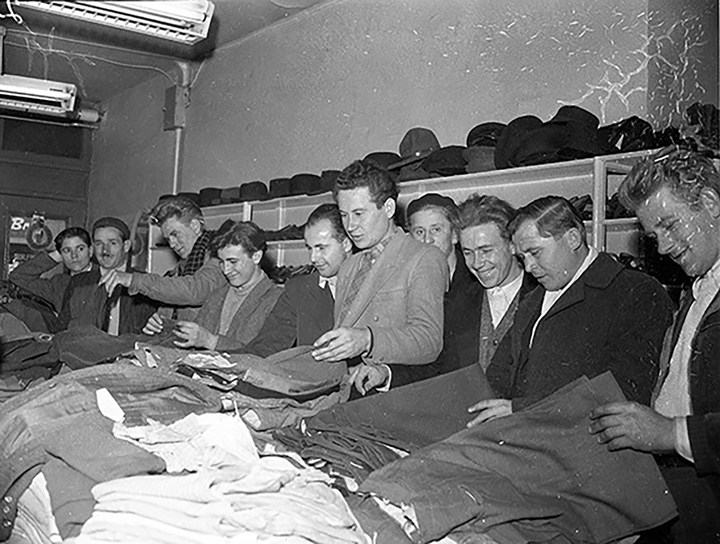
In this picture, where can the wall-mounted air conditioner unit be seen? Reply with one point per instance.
(36, 95)
(186, 21)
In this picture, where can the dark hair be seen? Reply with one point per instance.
(330, 213)
(239, 233)
(552, 215)
(182, 208)
(72, 232)
(684, 172)
(367, 173)
(482, 209)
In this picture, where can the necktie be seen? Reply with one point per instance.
(355, 285)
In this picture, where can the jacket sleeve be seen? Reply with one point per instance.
(181, 290)
(418, 339)
(27, 276)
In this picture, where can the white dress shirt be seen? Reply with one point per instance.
(500, 298)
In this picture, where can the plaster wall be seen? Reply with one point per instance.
(348, 77)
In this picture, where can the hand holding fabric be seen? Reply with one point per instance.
(622, 425)
(368, 377)
(343, 343)
(489, 409)
(194, 336)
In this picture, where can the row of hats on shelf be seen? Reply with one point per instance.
(572, 133)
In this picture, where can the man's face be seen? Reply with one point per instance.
(237, 265)
(180, 235)
(110, 249)
(488, 255)
(430, 226)
(75, 254)
(364, 222)
(326, 252)
(690, 237)
(553, 261)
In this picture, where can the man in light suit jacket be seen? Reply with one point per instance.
(389, 305)
(676, 195)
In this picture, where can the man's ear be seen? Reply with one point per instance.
(389, 206)
(574, 239)
(196, 226)
(127, 246)
(711, 200)
(91, 250)
(347, 245)
(257, 256)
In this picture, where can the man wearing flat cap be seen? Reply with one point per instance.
(88, 302)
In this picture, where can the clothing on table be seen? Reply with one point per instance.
(539, 471)
(611, 318)
(248, 319)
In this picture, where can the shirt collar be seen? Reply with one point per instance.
(504, 290)
(711, 280)
(374, 252)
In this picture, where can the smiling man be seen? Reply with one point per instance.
(304, 311)
(389, 305)
(588, 315)
(676, 195)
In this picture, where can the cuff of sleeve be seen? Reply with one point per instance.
(386, 386)
(134, 288)
(682, 439)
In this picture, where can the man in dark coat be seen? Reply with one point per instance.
(589, 315)
(88, 303)
(304, 311)
(676, 195)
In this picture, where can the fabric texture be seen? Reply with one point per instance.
(303, 313)
(612, 318)
(197, 257)
(400, 301)
(538, 470)
(249, 318)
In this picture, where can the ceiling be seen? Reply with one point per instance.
(103, 62)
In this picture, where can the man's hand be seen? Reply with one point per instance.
(194, 336)
(489, 409)
(340, 344)
(367, 377)
(623, 425)
(55, 256)
(154, 324)
(114, 278)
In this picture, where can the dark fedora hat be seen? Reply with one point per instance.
(195, 197)
(279, 187)
(571, 134)
(328, 179)
(485, 134)
(446, 161)
(305, 184)
(210, 196)
(253, 190)
(383, 158)
(230, 195)
(480, 158)
(511, 138)
(417, 144)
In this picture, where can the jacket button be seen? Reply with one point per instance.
(375, 318)
(5, 509)
(7, 523)
(8, 499)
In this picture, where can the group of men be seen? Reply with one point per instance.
(516, 291)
